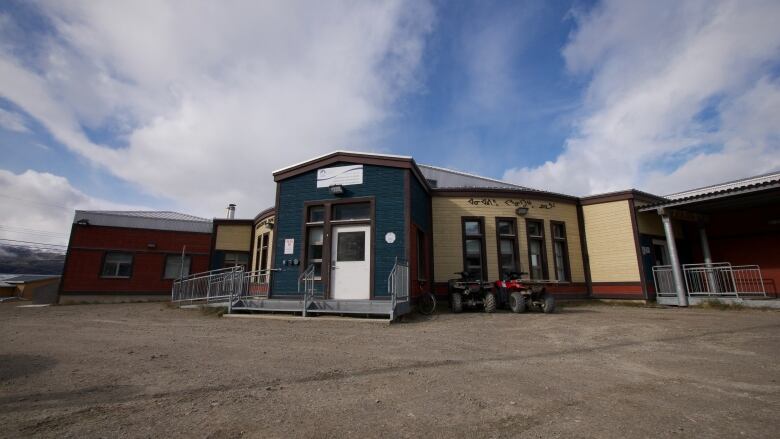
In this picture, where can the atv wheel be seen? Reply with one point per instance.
(517, 302)
(490, 302)
(456, 302)
(548, 303)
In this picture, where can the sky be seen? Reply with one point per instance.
(191, 105)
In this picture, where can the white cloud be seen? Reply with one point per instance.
(13, 121)
(206, 100)
(656, 68)
(38, 206)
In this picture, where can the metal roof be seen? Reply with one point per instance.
(157, 220)
(153, 214)
(7, 280)
(727, 186)
(450, 178)
(743, 186)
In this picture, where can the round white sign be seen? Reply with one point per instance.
(390, 237)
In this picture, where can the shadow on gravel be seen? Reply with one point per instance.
(22, 365)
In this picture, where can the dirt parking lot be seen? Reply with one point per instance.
(147, 370)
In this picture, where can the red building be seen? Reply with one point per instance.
(132, 256)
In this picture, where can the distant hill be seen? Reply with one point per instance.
(18, 260)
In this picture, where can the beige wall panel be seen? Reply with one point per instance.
(649, 223)
(448, 236)
(234, 237)
(610, 239)
(266, 226)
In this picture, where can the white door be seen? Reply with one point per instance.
(350, 273)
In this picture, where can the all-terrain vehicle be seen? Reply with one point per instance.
(521, 295)
(467, 290)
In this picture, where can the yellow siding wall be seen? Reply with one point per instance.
(263, 227)
(234, 237)
(649, 223)
(448, 235)
(610, 240)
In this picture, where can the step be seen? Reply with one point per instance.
(323, 306)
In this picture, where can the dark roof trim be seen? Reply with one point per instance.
(502, 192)
(271, 211)
(631, 194)
(353, 157)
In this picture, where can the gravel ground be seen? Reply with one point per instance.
(148, 370)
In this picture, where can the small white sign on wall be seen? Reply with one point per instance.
(343, 175)
(390, 237)
(288, 246)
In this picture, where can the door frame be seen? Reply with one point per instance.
(660, 242)
(327, 238)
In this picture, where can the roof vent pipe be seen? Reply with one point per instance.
(231, 211)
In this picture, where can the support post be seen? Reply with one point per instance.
(705, 250)
(679, 286)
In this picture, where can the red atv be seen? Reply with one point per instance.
(522, 295)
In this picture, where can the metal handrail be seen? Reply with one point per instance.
(716, 279)
(215, 285)
(398, 285)
(307, 277)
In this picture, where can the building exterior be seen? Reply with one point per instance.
(725, 242)
(352, 235)
(40, 288)
(131, 256)
(357, 231)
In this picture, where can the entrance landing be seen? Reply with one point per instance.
(324, 306)
(747, 303)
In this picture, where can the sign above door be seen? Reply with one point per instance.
(340, 175)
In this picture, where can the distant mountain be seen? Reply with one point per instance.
(19, 260)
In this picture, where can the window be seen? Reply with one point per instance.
(234, 259)
(262, 250)
(351, 211)
(351, 247)
(432, 183)
(117, 265)
(174, 268)
(314, 250)
(560, 250)
(422, 271)
(316, 214)
(474, 247)
(506, 230)
(536, 250)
